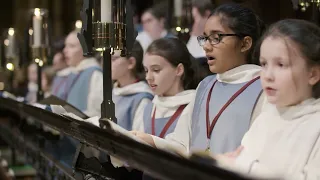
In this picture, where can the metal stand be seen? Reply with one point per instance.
(107, 106)
(40, 92)
(104, 37)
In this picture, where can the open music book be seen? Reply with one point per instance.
(8, 95)
(95, 121)
(53, 100)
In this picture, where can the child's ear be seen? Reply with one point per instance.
(132, 63)
(180, 69)
(314, 75)
(246, 44)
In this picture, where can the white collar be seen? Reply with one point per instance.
(134, 88)
(308, 106)
(184, 97)
(65, 71)
(86, 63)
(240, 74)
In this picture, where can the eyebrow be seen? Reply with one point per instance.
(155, 65)
(277, 58)
(213, 32)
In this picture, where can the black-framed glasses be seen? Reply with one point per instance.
(213, 38)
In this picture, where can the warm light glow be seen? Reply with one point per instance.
(303, 9)
(10, 66)
(30, 32)
(186, 30)
(78, 24)
(37, 60)
(1, 86)
(6, 42)
(100, 49)
(307, 4)
(40, 63)
(37, 12)
(178, 29)
(11, 31)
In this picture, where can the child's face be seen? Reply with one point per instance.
(285, 76)
(161, 76)
(73, 51)
(227, 53)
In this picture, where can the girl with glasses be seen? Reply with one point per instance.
(225, 103)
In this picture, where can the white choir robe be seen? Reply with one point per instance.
(282, 143)
(179, 140)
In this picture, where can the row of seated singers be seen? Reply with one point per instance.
(259, 121)
(89, 100)
(218, 114)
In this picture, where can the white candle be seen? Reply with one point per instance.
(11, 46)
(106, 11)
(178, 8)
(37, 28)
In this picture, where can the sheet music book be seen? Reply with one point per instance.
(54, 100)
(115, 127)
(8, 95)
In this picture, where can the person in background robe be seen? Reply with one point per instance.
(201, 10)
(48, 75)
(130, 91)
(59, 62)
(84, 87)
(32, 83)
(63, 71)
(85, 84)
(154, 26)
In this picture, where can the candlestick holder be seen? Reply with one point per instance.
(39, 42)
(107, 26)
(10, 56)
(182, 18)
(104, 30)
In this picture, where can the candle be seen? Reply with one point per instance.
(178, 8)
(37, 28)
(106, 11)
(11, 46)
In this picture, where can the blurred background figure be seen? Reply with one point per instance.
(62, 70)
(32, 83)
(59, 62)
(136, 20)
(48, 75)
(201, 10)
(84, 86)
(154, 25)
